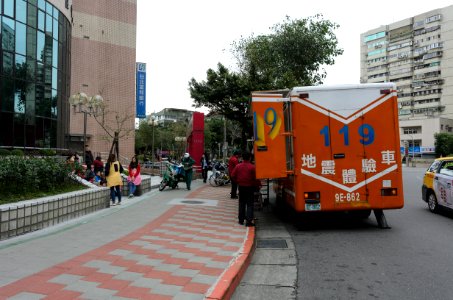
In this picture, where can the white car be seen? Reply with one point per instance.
(441, 194)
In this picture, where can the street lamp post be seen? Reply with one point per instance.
(86, 105)
(151, 122)
(413, 149)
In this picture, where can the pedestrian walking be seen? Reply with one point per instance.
(204, 163)
(245, 176)
(134, 179)
(188, 162)
(232, 163)
(113, 170)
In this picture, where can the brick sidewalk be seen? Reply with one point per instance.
(189, 252)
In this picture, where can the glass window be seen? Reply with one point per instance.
(55, 29)
(31, 42)
(30, 105)
(48, 51)
(6, 119)
(21, 69)
(48, 78)
(32, 2)
(21, 11)
(54, 78)
(54, 108)
(56, 13)
(19, 130)
(31, 20)
(41, 20)
(40, 72)
(42, 4)
(49, 24)
(8, 63)
(49, 8)
(374, 36)
(55, 54)
(21, 38)
(31, 67)
(40, 103)
(40, 42)
(19, 101)
(53, 133)
(48, 101)
(7, 94)
(8, 9)
(8, 39)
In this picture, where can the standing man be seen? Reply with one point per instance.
(245, 176)
(188, 162)
(88, 158)
(204, 163)
(232, 163)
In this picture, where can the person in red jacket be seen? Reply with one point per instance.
(245, 176)
(232, 163)
(134, 177)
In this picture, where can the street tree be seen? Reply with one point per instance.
(291, 55)
(443, 143)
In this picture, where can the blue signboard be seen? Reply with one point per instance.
(140, 91)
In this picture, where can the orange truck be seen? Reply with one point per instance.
(331, 148)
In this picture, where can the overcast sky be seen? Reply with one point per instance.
(180, 40)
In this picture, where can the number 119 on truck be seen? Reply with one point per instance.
(331, 148)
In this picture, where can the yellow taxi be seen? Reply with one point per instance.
(437, 187)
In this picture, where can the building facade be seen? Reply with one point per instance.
(34, 73)
(103, 63)
(53, 49)
(171, 115)
(417, 55)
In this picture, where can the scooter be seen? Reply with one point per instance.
(172, 176)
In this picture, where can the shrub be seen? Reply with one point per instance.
(27, 175)
(47, 152)
(17, 152)
(4, 152)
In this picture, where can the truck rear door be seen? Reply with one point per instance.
(269, 141)
(355, 143)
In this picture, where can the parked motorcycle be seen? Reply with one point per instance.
(219, 174)
(172, 176)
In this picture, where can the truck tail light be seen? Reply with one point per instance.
(389, 192)
(312, 196)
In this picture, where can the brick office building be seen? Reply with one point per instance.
(103, 62)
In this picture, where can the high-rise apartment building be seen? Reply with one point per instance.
(417, 55)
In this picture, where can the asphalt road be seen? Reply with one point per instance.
(343, 259)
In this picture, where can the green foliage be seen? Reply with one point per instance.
(17, 152)
(47, 152)
(164, 137)
(443, 143)
(22, 175)
(291, 55)
(5, 152)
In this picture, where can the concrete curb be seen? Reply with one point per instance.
(231, 277)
